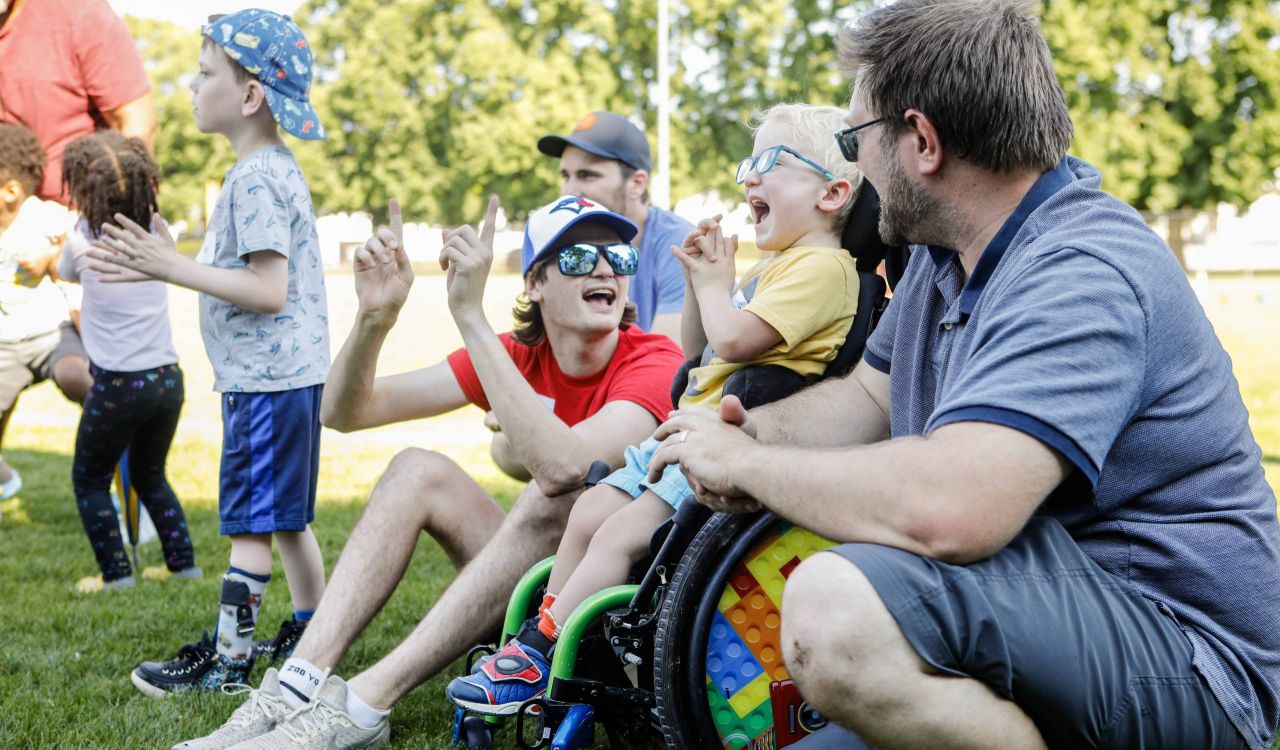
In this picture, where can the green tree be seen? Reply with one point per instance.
(187, 157)
(442, 103)
(1176, 102)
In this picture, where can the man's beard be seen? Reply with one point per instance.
(618, 204)
(909, 215)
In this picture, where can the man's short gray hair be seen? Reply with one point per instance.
(980, 70)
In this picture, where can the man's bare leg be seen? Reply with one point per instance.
(865, 675)
(474, 603)
(420, 491)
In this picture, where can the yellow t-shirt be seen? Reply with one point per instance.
(809, 295)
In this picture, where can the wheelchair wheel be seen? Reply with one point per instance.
(718, 671)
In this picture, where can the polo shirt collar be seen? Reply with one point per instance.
(1049, 183)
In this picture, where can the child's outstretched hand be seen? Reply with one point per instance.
(130, 252)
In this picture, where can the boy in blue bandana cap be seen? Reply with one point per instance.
(265, 325)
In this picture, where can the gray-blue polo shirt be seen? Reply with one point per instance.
(1079, 328)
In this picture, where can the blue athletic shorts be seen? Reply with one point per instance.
(1090, 660)
(673, 488)
(270, 460)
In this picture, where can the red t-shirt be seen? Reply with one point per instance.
(62, 64)
(640, 371)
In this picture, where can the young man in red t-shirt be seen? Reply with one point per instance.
(574, 383)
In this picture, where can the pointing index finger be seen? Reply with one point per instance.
(490, 222)
(397, 221)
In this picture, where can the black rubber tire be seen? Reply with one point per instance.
(476, 733)
(679, 653)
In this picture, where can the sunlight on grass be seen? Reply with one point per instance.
(66, 656)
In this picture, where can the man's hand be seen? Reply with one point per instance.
(709, 263)
(491, 421)
(467, 256)
(706, 445)
(383, 274)
(130, 247)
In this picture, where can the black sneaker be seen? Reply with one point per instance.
(199, 667)
(281, 647)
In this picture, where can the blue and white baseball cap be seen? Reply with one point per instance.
(272, 48)
(548, 224)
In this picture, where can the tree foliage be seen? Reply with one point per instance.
(441, 102)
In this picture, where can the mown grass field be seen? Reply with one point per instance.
(65, 657)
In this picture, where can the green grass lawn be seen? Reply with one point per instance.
(65, 657)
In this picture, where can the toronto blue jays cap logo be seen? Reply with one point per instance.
(572, 204)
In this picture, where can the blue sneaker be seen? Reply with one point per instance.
(512, 676)
(11, 487)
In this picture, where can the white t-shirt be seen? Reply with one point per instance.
(31, 310)
(124, 325)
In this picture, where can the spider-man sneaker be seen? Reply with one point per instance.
(507, 679)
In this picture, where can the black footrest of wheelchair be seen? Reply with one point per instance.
(596, 693)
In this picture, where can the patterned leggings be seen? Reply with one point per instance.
(137, 411)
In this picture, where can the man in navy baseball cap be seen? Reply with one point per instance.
(606, 159)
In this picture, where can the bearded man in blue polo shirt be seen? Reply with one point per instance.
(1057, 532)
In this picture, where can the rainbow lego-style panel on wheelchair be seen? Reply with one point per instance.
(745, 672)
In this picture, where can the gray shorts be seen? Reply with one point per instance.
(1090, 660)
(29, 361)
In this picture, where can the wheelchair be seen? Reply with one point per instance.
(689, 656)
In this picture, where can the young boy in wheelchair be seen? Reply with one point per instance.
(793, 309)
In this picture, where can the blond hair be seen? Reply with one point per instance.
(813, 129)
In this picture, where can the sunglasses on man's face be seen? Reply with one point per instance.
(847, 139)
(580, 258)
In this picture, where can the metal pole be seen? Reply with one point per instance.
(660, 183)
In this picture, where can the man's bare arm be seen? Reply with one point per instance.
(135, 119)
(355, 398)
(853, 410)
(959, 494)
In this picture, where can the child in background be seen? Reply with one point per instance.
(794, 309)
(36, 339)
(137, 389)
(265, 325)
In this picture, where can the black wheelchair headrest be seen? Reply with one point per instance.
(861, 236)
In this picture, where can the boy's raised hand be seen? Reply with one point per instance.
(383, 274)
(711, 263)
(130, 252)
(467, 256)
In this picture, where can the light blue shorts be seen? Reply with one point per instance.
(673, 488)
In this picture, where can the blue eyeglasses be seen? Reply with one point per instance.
(768, 159)
(580, 258)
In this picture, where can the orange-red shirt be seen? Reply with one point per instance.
(640, 371)
(62, 64)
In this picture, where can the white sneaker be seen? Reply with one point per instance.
(322, 724)
(256, 716)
